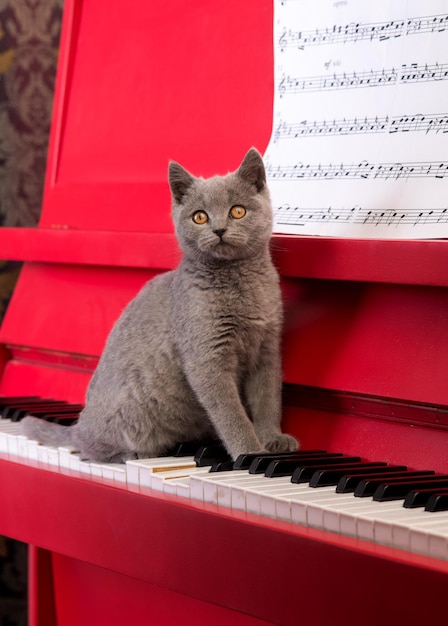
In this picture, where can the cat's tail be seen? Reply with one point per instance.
(48, 432)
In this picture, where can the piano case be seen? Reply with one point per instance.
(365, 343)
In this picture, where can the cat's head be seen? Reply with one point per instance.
(223, 217)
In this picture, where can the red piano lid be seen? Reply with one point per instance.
(140, 83)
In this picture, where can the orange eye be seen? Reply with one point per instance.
(200, 217)
(237, 212)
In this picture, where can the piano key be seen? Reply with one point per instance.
(244, 460)
(222, 466)
(378, 524)
(437, 502)
(261, 463)
(399, 490)
(65, 453)
(48, 455)
(189, 448)
(6, 406)
(348, 484)
(419, 497)
(412, 521)
(367, 487)
(431, 541)
(205, 488)
(159, 479)
(5, 400)
(16, 413)
(208, 455)
(139, 471)
(287, 467)
(331, 476)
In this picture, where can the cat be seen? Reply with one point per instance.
(196, 354)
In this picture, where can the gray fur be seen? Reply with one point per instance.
(197, 352)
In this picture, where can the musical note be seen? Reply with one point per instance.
(363, 170)
(405, 123)
(392, 218)
(355, 31)
(369, 78)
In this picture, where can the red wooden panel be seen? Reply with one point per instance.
(41, 604)
(384, 261)
(375, 440)
(137, 87)
(69, 308)
(24, 377)
(386, 340)
(111, 598)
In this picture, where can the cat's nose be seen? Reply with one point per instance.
(220, 232)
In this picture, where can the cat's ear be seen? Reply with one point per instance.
(180, 180)
(252, 169)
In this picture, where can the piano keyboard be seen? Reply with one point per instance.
(373, 501)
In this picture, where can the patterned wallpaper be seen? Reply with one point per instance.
(29, 39)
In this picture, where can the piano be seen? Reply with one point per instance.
(365, 353)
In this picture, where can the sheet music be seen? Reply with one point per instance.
(359, 144)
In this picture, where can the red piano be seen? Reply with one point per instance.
(365, 344)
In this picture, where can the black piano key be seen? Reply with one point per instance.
(66, 419)
(13, 405)
(419, 497)
(398, 490)
(331, 476)
(208, 455)
(287, 467)
(46, 414)
(189, 448)
(244, 461)
(348, 484)
(15, 414)
(260, 464)
(5, 400)
(305, 474)
(368, 486)
(437, 502)
(222, 466)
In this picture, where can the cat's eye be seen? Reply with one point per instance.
(200, 217)
(237, 212)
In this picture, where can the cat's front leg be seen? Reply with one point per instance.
(218, 393)
(263, 392)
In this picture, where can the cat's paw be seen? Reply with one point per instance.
(282, 443)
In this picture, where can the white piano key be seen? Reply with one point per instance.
(342, 511)
(260, 495)
(138, 471)
(65, 453)
(74, 461)
(114, 471)
(398, 530)
(177, 486)
(32, 448)
(182, 487)
(438, 543)
(22, 446)
(12, 439)
(159, 479)
(210, 482)
(8, 435)
(269, 500)
(48, 455)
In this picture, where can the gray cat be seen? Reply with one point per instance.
(196, 354)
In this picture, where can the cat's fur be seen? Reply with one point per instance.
(197, 352)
